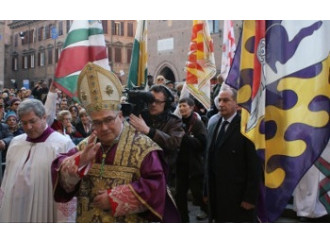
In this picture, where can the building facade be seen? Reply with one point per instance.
(32, 49)
(35, 47)
(2, 51)
(168, 46)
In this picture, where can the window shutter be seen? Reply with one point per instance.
(105, 26)
(129, 55)
(118, 55)
(113, 27)
(122, 26)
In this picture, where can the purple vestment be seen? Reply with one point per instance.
(150, 186)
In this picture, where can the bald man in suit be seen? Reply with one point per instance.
(233, 167)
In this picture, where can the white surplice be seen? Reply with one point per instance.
(306, 201)
(26, 193)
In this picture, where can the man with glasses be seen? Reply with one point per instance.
(26, 191)
(117, 173)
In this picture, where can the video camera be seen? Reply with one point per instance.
(137, 100)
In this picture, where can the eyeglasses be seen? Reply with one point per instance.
(107, 121)
(158, 102)
(160, 79)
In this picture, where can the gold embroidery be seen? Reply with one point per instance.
(83, 96)
(109, 90)
(130, 153)
(93, 81)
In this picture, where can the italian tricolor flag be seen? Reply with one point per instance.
(84, 43)
(137, 75)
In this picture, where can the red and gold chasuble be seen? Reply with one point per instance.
(132, 149)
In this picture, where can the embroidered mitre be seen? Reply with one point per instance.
(99, 89)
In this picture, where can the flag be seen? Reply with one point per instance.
(228, 48)
(200, 66)
(284, 90)
(233, 78)
(84, 43)
(252, 73)
(138, 70)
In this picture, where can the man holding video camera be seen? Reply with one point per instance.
(161, 125)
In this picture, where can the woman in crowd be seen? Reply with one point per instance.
(190, 160)
(84, 126)
(74, 114)
(12, 122)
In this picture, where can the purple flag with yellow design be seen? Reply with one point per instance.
(284, 90)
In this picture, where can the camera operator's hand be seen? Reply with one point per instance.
(139, 124)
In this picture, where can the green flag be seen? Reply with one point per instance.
(137, 75)
(84, 43)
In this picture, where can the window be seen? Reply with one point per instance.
(32, 60)
(41, 58)
(118, 28)
(31, 36)
(68, 25)
(213, 26)
(15, 63)
(47, 32)
(113, 28)
(129, 54)
(57, 54)
(29, 61)
(25, 62)
(50, 56)
(130, 32)
(23, 37)
(122, 25)
(44, 33)
(40, 33)
(118, 55)
(109, 54)
(50, 31)
(60, 28)
(105, 26)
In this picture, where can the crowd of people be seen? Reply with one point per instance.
(66, 161)
(150, 164)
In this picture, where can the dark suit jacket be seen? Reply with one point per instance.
(80, 128)
(233, 175)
